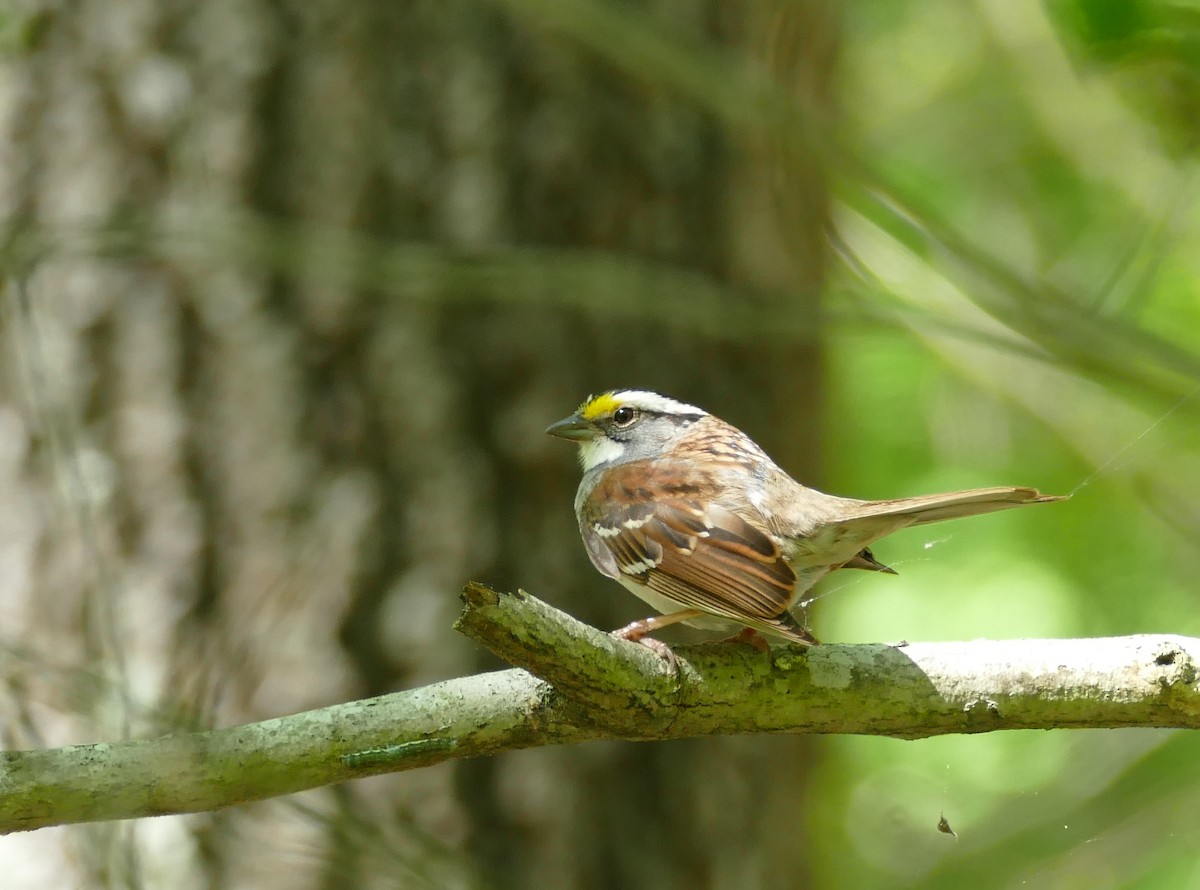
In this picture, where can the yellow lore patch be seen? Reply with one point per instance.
(603, 404)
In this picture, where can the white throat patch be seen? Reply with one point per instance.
(599, 451)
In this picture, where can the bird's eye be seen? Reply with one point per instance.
(624, 416)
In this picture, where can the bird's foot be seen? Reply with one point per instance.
(635, 632)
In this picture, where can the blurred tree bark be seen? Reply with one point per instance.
(231, 492)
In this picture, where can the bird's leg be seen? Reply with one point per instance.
(636, 631)
(751, 637)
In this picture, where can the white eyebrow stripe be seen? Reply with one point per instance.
(652, 401)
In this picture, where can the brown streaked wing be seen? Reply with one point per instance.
(705, 558)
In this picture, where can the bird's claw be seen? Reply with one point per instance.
(636, 633)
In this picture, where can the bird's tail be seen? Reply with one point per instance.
(951, 505)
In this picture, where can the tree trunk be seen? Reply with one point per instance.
(238, 488)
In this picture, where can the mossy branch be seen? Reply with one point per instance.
(574, 683)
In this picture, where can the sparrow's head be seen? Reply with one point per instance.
(619, 426)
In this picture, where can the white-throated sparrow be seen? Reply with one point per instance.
(688, 513)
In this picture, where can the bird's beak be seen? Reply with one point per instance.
(574, 428)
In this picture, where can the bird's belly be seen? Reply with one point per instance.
(665, 605)
(806, 577)
(822, 550)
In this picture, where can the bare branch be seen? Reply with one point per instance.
(593, 686)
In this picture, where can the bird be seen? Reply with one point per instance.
(689, 514)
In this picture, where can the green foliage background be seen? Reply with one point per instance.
(1057, 143)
